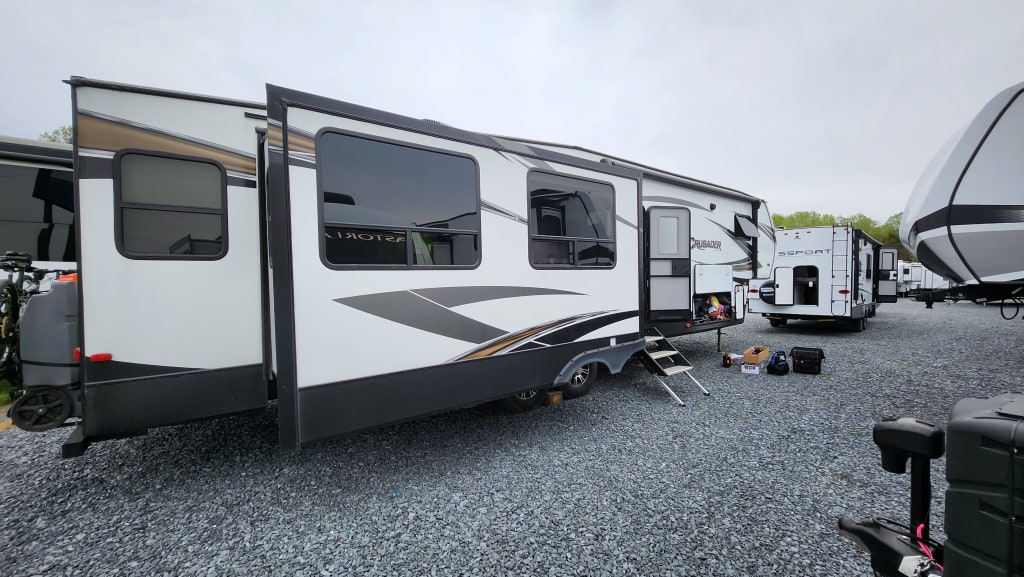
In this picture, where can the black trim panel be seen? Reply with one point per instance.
(346, 407)
(136, 404)
(91, 167)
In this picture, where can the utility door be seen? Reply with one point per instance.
(669, 284)
(887, 285)
(783, 286)
(172, 318)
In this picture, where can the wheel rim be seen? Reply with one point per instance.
(579, 378)
(526, 396)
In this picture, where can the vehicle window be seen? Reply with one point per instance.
(170, 208)
(572, 222)
(38, 212)
(397, 205)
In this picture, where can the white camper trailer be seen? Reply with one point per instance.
(825, 274)
(913, 279)
(701, 285)
(964, 219)
(358, 266)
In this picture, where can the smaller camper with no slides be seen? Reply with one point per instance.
(825, 274)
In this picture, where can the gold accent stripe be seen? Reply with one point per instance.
(297, 142)
(105, 134)
(506, 342)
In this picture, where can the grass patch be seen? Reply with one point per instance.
(5, 393)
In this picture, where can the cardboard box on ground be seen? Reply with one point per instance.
(755, 355)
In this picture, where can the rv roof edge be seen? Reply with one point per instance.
(81, 81)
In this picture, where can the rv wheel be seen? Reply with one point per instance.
(860, 324)
(777, 322)
(523, 401)
(580, 382)
(41, 409)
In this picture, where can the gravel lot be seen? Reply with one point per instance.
(748, 481)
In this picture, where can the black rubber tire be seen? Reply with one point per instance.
(858, 325)
(523, 402)
(581, 382)
(41, 409)
(777, 322)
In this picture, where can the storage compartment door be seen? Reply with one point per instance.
(669, 286)
(784, 286)
(887, 285)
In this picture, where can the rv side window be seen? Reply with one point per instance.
(38, 212)
(378, 196)
(745, 227)
(572, 222)
(170, 207)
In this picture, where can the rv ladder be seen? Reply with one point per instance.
(840, 270)
(664, 360)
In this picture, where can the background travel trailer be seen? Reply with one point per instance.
(370, 268)
(824, 274)
(914, 278)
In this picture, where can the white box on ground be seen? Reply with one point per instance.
(751, 369)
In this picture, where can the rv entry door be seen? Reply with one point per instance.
(784, 286)
(669, 283)
(886, 276)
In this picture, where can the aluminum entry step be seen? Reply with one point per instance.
(654, 339)
(662, 354)
(675, 370)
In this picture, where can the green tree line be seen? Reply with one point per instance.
(887, 233)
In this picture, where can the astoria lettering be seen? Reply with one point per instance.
(378, 237)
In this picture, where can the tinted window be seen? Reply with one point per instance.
(171, 207)
(37, 212)
(376, 195)
(572, 221)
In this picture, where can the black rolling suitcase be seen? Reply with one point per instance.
(985, 499)
(806, 360)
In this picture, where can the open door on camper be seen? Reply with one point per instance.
(669, 283)
(783, 285)
(887, 283)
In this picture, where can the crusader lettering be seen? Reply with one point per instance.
(701, 244)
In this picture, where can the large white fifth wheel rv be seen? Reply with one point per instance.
(826, 274)
(965, 218)
(358, 266)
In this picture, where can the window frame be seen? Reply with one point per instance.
(531, 237)
(119, 205)
(408, 231)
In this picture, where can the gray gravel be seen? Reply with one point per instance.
(748, 481)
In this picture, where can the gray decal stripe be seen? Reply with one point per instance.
(503, 212)
(416, 311)
(460, 295)
(747, 250)
(626, 222)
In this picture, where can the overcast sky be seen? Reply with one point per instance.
(812, 105)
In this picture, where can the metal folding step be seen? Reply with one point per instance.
(663, 360)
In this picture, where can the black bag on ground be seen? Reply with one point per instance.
(777, 364)
(806, 360)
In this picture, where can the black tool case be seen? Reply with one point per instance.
(985, 499)
(806, 360)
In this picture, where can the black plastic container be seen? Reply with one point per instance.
(985, 499)
(806, 360)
